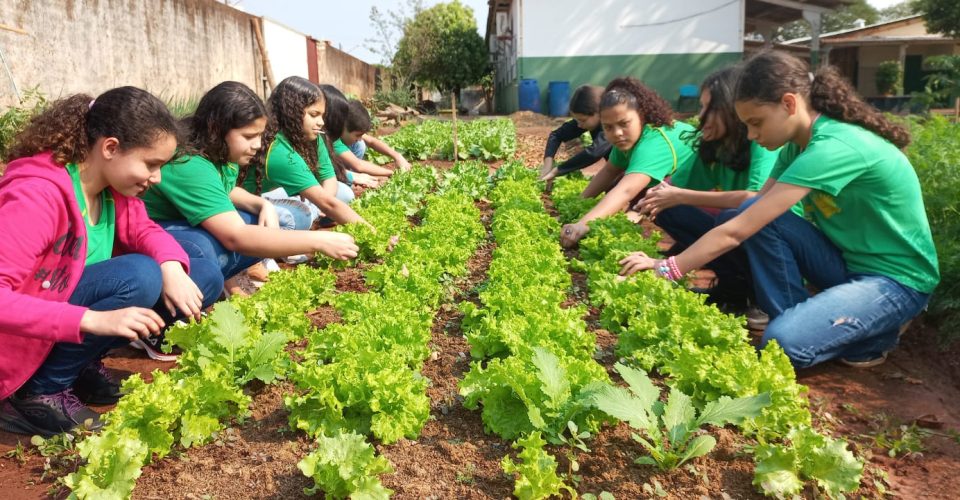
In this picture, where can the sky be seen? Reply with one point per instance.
(347, 23)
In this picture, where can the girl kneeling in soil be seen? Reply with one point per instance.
(200, 204)
(84, 269)
(297, 163)
(730, 169)
(585, 110)
(352, 146)
(647, 148)
(869, 248)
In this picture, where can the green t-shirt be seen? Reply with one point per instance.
(866, 198)
(339, 147)
(717, 177)
(193, 189)
(285, 168)
(100, 236)
(660, 152)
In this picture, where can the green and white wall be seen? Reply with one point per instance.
(664, 43)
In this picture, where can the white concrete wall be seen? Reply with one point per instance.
(564, 28)
(287, 50)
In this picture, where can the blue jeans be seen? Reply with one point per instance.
(686, 224)
(199, 244)
(131, 280)
(856, 316)
(359, 149)
(301, 209)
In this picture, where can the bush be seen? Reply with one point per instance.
(15, 118)
(889, 78)
(935, 154)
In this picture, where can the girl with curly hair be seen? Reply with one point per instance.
(201, 205)
(729, 170)
(298, 163)
(87, 270)
(647, 148)
(868, 247)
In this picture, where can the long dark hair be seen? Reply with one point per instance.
(334, 122)
(652, 108)
(286, 107)
(733, 149)
(228, 106)
(767, 76)
(586, 100)
(71, 126)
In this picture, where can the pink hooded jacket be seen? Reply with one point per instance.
(42, 257)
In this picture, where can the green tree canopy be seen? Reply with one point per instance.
(441, 48)
(841, 19)
(899, 10)
(942, 16)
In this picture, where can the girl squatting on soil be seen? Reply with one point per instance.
(729, 169)
(297, 163)
(647, 148)
(869, 248)
(585, 110)
(200, 204)
(84, 269)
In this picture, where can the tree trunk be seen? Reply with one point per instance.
(453, 102)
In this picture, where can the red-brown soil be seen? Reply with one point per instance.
(454, 458)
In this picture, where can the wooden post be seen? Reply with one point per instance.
(956, 111)
(453, 101)
(258, 32)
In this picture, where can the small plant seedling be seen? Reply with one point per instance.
(671, 432)
(467, 475)
(19, 453)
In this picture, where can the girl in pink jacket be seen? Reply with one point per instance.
(83, 269)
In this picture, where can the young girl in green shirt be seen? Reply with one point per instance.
(297, 161)
(729, 170)
(869, 248)
(646, 149)
(198, 200)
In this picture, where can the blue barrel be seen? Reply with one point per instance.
(529, 95)
(559, 98)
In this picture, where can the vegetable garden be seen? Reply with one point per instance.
(473, 358)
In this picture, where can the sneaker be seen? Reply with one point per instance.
(54, 413)
(757, 319)
(258, 272)
(729, 296)
(12, 421)
(294, 259)
(97, 386)
(865, 363)
(151, 345)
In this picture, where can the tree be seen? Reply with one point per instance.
(898, 11)
(845, 17)
(941, 16)
(389, 28)
(441, 48)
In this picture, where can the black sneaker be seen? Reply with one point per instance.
(96, 385)
(12, 421)
(151, 345)
(51, 414)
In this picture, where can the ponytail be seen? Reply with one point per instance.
(832, 95)
(69, 127)
(770, 74)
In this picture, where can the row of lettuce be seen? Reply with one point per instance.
(361, 376)
(704, 355)
(246, 339)
(481, 139)
(534, 372)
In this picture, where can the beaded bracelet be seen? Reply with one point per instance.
(667, 269)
